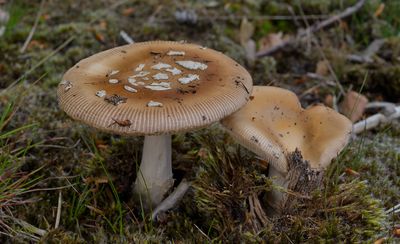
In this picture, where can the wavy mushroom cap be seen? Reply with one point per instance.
(154, 88)
(273, 124)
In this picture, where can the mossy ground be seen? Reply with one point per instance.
(94, 171)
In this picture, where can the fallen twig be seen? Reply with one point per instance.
(126, 37)
(366, 55)
(29, 38)
(313, 28)
(395, 209)
(58, 216)
(172, 199)
(375, 120)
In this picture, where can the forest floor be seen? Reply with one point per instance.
(50, 164)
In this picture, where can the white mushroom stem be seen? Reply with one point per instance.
(154, 177)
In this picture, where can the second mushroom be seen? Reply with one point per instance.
(273, 125)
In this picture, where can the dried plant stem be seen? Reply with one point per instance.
(313, 28)
(172, 199)
(374, 121)
(126, 37)
(29, 38)
(58, 216)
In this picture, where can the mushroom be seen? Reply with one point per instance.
(273, 125)
(215, 86)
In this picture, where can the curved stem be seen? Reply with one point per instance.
(154, 177)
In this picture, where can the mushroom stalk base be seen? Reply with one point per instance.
(154, 177)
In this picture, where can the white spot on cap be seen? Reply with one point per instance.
(174, 71)
(192, 65)
(176, 53)
(154, 104)
(141, 83)
(113, 81)
(160, 66)
(139, 68)
(130, 89)
(189, 78)
(160, 76)
(113, 72)
(141, 74)
(162, 86)
(132, 81)
(101, 93)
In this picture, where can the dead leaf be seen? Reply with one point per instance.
(246, 31)
(271, 40)
(380, 240)
(328, 101)
(352, 172)
(101, 145)
(379, 10)
(322, 68)
(396, 232)
(202, 153)
(103, 25)
(36, 44)
(353, 105)
(99, 37)
(343, 25)
(128, 11)
(45, 17)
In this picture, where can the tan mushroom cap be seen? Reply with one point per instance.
(154, 87)
(273, 124)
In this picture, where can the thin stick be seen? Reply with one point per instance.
(393, 209)
(64, 44)
(58, 216)
(374, 121)
(29, 38)
(315, 27)
(126, 37)
(172, 199)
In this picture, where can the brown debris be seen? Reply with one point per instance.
(123, 123)
(302, 180)
(353, 105)
(115, 99)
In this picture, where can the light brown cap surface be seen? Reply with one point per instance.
(154, 88)
(273, 124)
